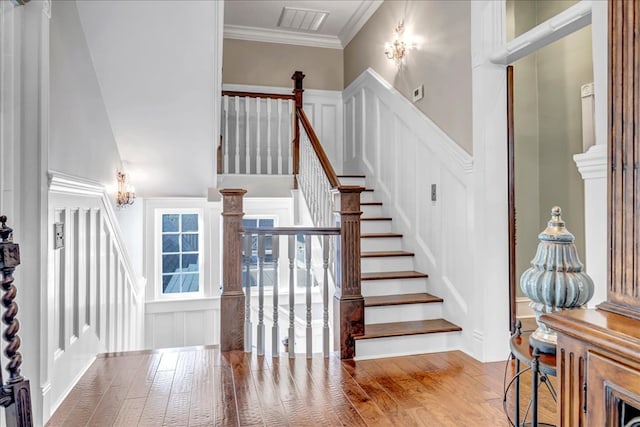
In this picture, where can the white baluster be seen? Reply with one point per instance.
(237, 148)
(247, 140)
(275, 254)
(280, 137)
(269, 160)
(307, 254)
(325, 296)
(258, 132)
(290, 137)
(226, 135)
(247, 293)
(261, 252)
(292, 296)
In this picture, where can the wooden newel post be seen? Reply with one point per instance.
(348, 304)
(15, 394)
(297, 78)
(232, 299)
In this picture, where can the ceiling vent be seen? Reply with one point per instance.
(302, 19)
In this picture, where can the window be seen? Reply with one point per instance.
(268, 270)
(180, 253)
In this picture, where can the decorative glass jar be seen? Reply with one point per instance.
(556, 280)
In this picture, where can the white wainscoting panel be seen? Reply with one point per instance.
(402, 153)
(95, 304)
(182, 323)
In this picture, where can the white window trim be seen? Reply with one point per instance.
(157, 254)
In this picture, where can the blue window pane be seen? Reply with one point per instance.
(171, 283)
(170, 243)
(189, 242)
(170, 263)
(190, 222)
(190, 282)
(249, 223)
(266, 223)
(170, 222)
(190, 262)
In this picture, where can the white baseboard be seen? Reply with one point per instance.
(522, 307)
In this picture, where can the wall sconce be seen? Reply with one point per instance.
(398, 48)
(126, 193)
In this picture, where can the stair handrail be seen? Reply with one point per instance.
(317, 147)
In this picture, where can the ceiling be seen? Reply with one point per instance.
(258, 20)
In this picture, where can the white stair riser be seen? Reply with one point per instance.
(393, 286)
(402, 313)
(371, 210)
(381, 264)
(368, 196)
(375, 227)
(406, 345)
(353, 181)
(381, 244)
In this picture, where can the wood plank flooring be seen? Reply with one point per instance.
(200, 386)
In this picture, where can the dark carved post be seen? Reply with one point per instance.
(297, 78)
(348, 304)
(15, 395)
(232, 299)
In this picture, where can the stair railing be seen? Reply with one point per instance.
(331, 204)
(260, 267)
(256, 134)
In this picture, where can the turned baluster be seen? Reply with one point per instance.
(15, 394)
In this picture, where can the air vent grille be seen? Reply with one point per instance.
(302, 19)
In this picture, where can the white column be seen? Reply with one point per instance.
(487, 331)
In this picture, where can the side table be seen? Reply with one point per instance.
(541, 365)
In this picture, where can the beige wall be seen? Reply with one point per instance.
(442, 61)
(272, 64)
(548, 128)
(527, 164)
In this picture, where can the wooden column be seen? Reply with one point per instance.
(348, 304)
(297, 78)
(623, 293)
(232, 299)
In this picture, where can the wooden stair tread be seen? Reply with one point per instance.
(419, 298)
(380, 254)
(351, 176)
(383, 275)
(381, 330)
(385, 235)
(370, 203)
(376, 218)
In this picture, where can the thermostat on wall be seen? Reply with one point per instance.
(418, 93)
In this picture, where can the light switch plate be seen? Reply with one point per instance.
(418, 93)
(58, 235)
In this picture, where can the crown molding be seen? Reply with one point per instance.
(357, 20)
(240, 32)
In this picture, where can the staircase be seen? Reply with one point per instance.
(401, 317)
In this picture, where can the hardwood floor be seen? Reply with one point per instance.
(200, 386)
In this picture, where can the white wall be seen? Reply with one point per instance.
(159, 66)
(82, 142)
